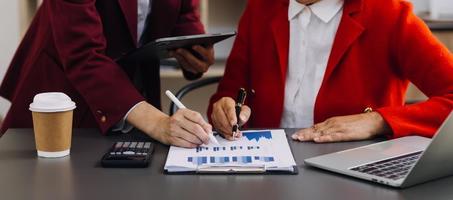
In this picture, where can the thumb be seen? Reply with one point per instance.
(244, 115)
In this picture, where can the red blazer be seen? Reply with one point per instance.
(70, 47)
(379, 47)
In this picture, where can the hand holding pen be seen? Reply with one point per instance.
(229, 115)
(240, 100)
(187, 128)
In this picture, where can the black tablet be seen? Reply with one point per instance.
(159, 49)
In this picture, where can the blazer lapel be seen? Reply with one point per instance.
(129, 8)
(348, 32)
(280, 31)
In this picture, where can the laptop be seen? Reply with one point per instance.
(401, 162)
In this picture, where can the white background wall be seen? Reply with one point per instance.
(420, 5)
(9, 32)
(9, 38)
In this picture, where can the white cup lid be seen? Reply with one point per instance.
(52, 102)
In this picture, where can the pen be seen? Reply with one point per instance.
(240, 99)
(180, 105)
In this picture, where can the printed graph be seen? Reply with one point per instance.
(200, 160)
(252, 142)
(258, 135)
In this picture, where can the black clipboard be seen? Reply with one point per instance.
(159, 49)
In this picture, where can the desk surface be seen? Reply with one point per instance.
(79, 176)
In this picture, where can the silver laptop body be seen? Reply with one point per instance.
(401, 162)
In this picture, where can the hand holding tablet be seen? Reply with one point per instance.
(161, 48)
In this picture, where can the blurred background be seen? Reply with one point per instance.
(218, 16)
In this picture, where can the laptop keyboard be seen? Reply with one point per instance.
(393, 168)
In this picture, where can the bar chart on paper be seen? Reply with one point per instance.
(265, 148)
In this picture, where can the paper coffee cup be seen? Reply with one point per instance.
(52, 123)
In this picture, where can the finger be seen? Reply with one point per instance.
(195, 63)
(176, 141)
(333, 137)
(245, 114)
(220, 120)
(184, 64)
(198, 119)
(226, 126)
(207, 53)
(334, 128)
(187, 135)
(239, 134)
(229, 137)
(218, 123)
(224, 111)
(230, 111)
(221, 127)
(319, 127)
(299, 134)
(307, 134)
(194, 123)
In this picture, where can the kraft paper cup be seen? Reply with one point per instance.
(52, 114)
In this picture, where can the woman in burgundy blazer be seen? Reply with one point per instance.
(380, 46)
(70, 47)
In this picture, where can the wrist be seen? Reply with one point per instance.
(382, 128)
(158, 129)
(149, 120)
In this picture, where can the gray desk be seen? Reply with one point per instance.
(24, 176)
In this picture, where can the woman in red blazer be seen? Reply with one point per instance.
(379, 47)
(71, 46)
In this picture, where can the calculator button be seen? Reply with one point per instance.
(129, 153)
(126, 144)
(140, 145)
(133, 145)
(147, 145)
(118, 144)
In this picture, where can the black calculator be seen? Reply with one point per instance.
(128, 154)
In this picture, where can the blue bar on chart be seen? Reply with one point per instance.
(198, 160)
(200, 149)
(231, 148)
(225, 159)
(257, 135)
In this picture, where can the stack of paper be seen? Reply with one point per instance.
(263, 150)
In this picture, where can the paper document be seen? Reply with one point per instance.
(257, 150)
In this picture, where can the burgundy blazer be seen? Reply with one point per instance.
(70, 47)
(380, 46)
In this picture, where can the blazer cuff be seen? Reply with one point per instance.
(123, 126)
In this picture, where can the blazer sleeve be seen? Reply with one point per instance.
(189, 23)
(424, 61)
(78, 37)
(237, 69)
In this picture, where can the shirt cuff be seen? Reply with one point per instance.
(123, 126)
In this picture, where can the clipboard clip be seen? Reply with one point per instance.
(231, 169)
